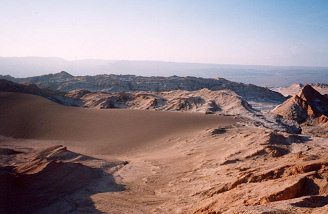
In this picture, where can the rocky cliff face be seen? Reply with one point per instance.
(309, 103)
(126, 83)
(309, 108)
(313, 102)
(296, 88)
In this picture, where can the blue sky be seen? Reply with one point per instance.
(266, 32)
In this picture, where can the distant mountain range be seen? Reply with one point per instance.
(271, 76)
(64, 81)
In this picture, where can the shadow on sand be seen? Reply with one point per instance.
(47, 191)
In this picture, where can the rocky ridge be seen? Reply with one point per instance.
(296, 88)
(309, 108)
(57, 96)
(63, 81)
(308, 104)
(204, 101)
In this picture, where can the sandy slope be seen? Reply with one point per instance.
(227, 170)
(100, 131)
(38, 180)
(181, 162)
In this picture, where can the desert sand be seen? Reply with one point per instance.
(59, 159)
(99, 131)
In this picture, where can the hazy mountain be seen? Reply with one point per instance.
(271, 76)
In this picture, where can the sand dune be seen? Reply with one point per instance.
(99, 131)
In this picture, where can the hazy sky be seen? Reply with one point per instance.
(271, 32)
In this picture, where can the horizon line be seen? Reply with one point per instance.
(168, 61)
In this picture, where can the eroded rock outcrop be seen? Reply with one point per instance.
(257, 180)
(63, 81)
(205, 101)
(36, 180)
(308, 104)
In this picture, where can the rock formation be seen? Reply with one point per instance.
(308, 104)
(63, 81)
(309, 108)
(296, 88)
(36, 179)
(205, 101)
